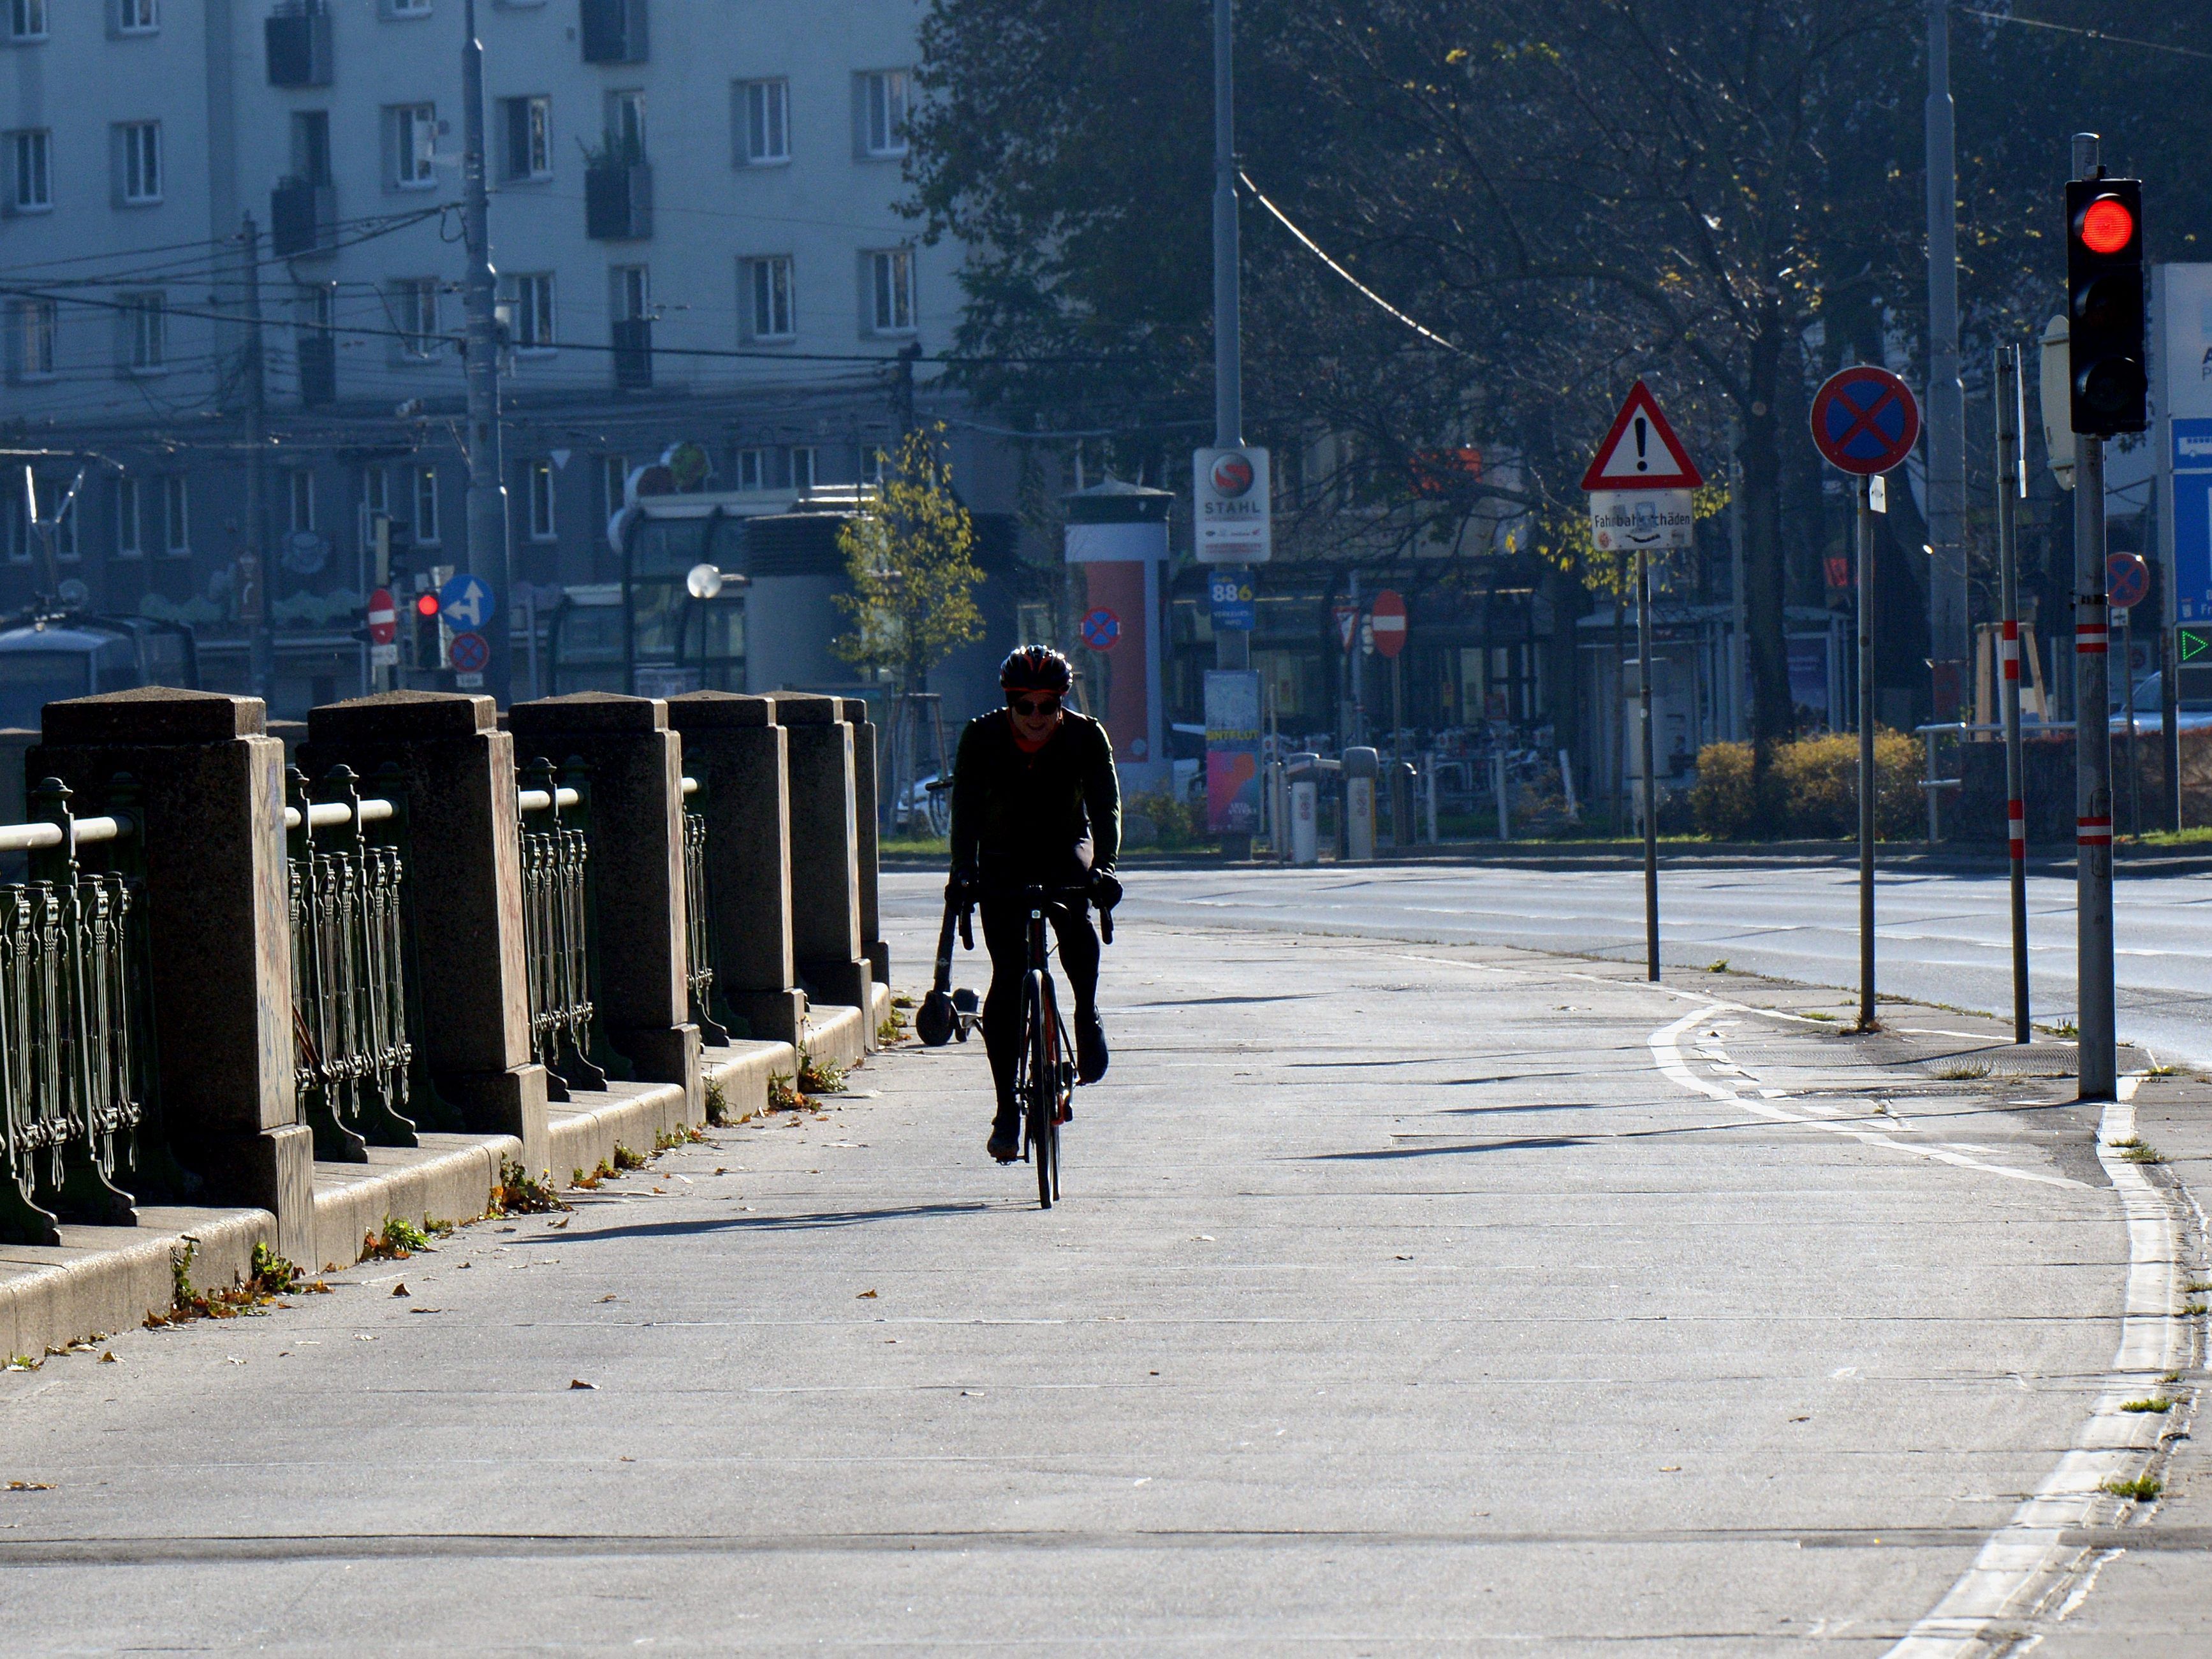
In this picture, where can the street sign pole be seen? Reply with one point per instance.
(2011, 485)
(2098, 1055)
(1867, 1021)
(1649, 794)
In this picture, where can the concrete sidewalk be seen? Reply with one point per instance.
(1405, 1299)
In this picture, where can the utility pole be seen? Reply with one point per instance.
(490, 552)
(1232, 646)
(1946, 395)
(2098, 1055)
(261, 643)
(2012, 486)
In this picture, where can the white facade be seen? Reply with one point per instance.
(752, 289)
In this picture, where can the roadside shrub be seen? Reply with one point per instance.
(1158, 819)
(1810, 791)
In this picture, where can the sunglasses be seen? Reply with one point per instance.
(1030, 707)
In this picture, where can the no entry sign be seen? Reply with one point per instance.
(1388, 620)
(1865, 421)
(383, 618)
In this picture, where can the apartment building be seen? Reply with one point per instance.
(693, 218)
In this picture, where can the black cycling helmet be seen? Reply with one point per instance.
(1036, 668)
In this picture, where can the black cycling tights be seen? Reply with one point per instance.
(1005, 935)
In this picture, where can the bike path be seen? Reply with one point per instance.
(1403, 1298)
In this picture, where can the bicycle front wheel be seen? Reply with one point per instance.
(1039, 1101)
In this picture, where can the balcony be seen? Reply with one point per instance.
(319, 368)
(614, 31)
(298, 39)
(634, 354)
(618, 200)
(303, 220)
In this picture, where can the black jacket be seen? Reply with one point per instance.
(1044, 817)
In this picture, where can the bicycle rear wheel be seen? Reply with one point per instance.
(1038, 1101)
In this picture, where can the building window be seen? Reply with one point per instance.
(31, 153)
(626, 127)
(765, 301)
(415, 146)
(763, 122)
(406, 7)
(530, 303)
(426, 506)
(529, 138)
(144, 319)
(752, 469)
(303, 502)
(60, 507)
(541, 500)
(614, 478)
(632, 292)
(137, 16)
(26, 20)
(891, 291)
(31, 338)
(375, 501)
(130, 520)
(883, 113)
(802, 466)
(311, 146)
(176, 517)
(415, 314)
(140, 144)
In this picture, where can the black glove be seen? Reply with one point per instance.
(964, 889)
(1105, 890)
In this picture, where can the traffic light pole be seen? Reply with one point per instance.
(2011, 486)
(1232, 646)
(2098, 1057)
(1867, 1021)
(490, 551)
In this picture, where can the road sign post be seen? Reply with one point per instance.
(2126, 582)
(2012, 489)
(1641, 488)
(1865, 423)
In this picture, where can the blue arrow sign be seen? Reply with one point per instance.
(466, 602)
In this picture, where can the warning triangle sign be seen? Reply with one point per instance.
(1642, 451)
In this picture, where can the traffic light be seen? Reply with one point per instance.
(2104, 306)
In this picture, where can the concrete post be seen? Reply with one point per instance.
(636, 816)
(455, 769)
(825, 867)
(733, 746)
(218, 919)
(867, 817)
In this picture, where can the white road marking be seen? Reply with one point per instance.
(2022, 1561)
(1666, 1048)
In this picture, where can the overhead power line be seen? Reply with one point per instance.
(2086, 34)
(1315, 248)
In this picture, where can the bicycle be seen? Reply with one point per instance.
(1044, 1073)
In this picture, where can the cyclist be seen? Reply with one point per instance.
(1034, 802)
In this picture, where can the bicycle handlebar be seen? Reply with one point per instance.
(1038, 891)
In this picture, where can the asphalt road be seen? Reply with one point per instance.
(1404, 1299)
(1942, 937)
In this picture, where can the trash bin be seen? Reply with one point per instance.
(1361, 768)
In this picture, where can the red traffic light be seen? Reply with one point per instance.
(426, 604)
(2106, 225)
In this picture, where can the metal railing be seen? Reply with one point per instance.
(353, 1055)
(699, 922)
(556, 931)
(72, 1095)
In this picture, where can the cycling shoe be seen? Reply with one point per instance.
(1090, 1056)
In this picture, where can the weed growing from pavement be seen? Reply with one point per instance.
(400, 1238)
(606, 1172)
(667, 1140)
(2197, 1287)
(1964, 1071)
(2167, 1071)
(1814, 1013)
(626, 1159)
(2137, 1151)
(718, 1104)
(1719, 967)
(520, 1192)
(782, 1096)
(2159, 1405)
(269, 1277)
(2064, 1030)
(2142, 1489)
(818, 1077)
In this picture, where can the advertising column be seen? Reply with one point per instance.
(1118, 532)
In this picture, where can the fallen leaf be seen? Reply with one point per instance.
(609, 1297)
(579, 1382)
(1204, 1238)
(30, 1486)
(1401, 1258)
(866, 1295)
(416, 1310)
(109, 1358)
(1670, 1468)
(1800, 1419)
(361, 1337)
(562, 1222)
(400, 1289)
